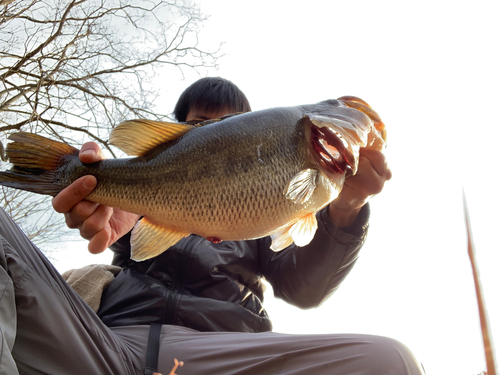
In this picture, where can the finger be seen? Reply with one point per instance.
(100, 241)
(79, 213)
(73, 194)
(96, 222)
(371, 176)
(366, 182)
(90, 153)
(377, 161)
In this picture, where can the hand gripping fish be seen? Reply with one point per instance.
(238, 177)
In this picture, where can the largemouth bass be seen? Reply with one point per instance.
(239, 177)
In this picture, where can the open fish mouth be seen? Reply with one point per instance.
(331, 148)
(337, 135)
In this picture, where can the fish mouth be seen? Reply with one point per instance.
(331, 149)
(362, 106)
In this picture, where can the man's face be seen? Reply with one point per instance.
(195, 115)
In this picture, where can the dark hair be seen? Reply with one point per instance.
(211, 94)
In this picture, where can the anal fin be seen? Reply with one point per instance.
(150, 240)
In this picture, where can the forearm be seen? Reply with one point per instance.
(342, 218)
(306, 276)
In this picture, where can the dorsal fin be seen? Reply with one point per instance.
(218, 119)
(136, 137)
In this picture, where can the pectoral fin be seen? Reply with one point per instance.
(301, 186)
(149, 240)
(136, 137)
(302, 232)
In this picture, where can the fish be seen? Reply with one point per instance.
(239, 177)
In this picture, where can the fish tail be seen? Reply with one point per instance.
(35, 160)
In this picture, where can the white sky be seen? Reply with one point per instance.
(430, 69)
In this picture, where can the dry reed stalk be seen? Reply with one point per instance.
(485, 328)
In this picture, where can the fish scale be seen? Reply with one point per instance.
(239, 177)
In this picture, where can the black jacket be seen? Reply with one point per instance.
(218, 287)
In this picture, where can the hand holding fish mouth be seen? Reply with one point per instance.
(373, 172)
(101, 225)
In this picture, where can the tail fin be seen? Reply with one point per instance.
(35, 161)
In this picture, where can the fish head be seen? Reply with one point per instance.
(337, 129)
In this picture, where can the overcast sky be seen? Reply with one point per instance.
(430, 69)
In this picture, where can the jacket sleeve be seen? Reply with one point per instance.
(307, 276)
(121, 250)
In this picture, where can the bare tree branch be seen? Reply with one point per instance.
(73, 69)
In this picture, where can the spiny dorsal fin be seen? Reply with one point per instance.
(136, 137)
(218, 119)
(301, 186)
(149, 240)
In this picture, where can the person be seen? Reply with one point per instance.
(206, 297)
